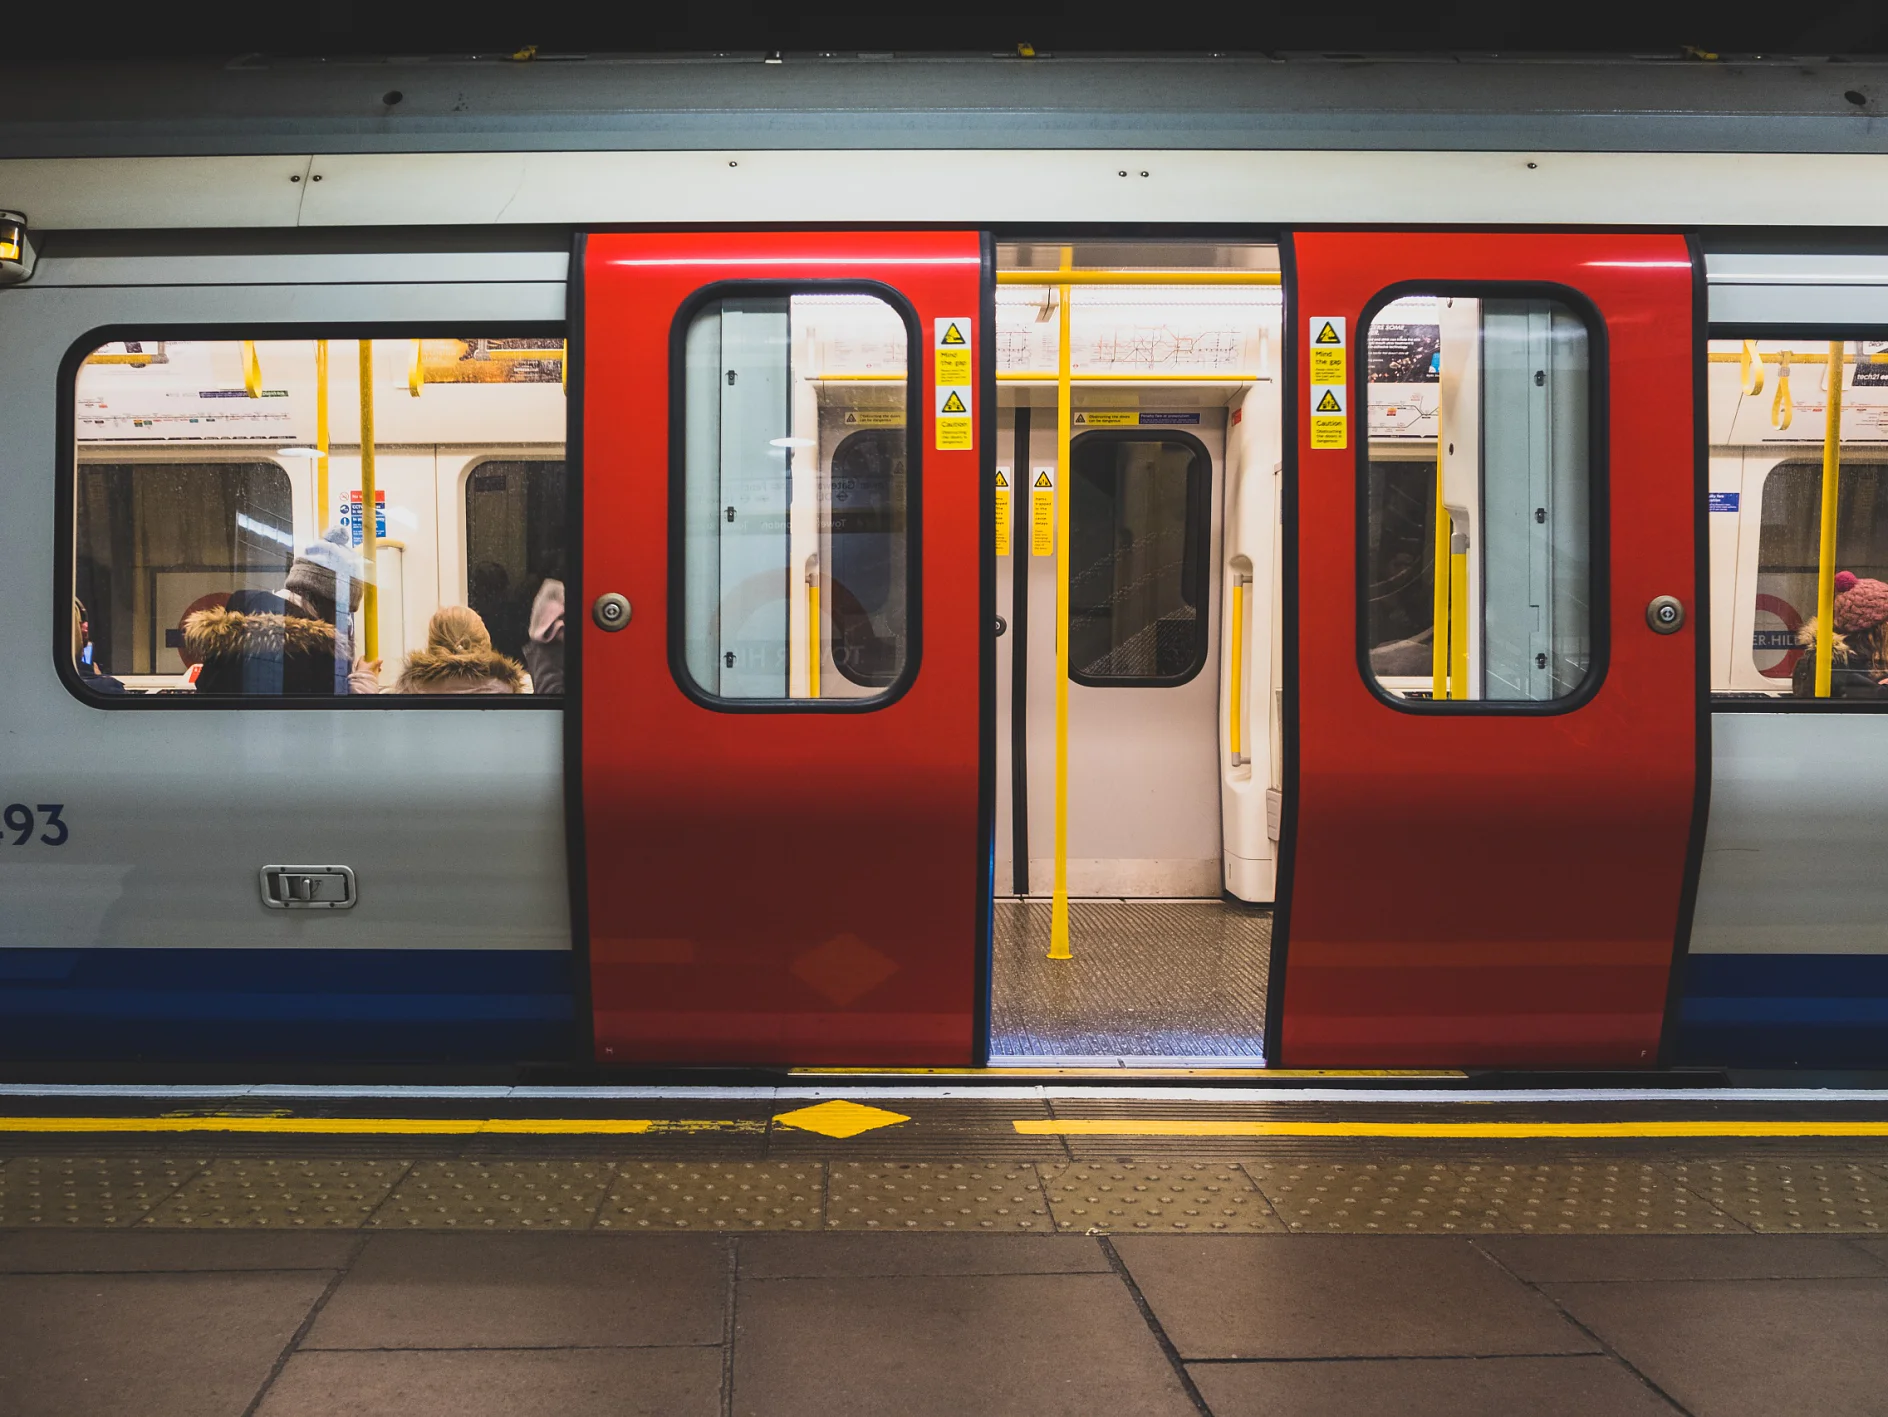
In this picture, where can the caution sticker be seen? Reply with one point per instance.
(1042, 513)
(1328, 362)
(1330, 424)
(950, 376)
(874, 418)
(1086, 419)
(1002, 511)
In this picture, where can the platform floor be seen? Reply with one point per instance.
(1015, 1251)
(1150, 982)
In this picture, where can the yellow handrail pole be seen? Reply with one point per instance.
(370, 534)
(1235, 737)
(1066, 277)
(812, 626)
(416, 371)
(1826, 549)
(252, 370)
(1458, 622)
(321, 438)
(1439, 574)
(1064, 433)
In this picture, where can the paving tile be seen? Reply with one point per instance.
(1792, 1196)
(154, 1345)
(483, 1289)
(1049, 1345)
(496, 1195)
(1365, 1198)
(1174, 1197)
(1591, 1198)
(1734, 1348)
(1339, 1296)
(633, 1382)
(290, 1193)
(843, 1253)
(716, 1195)
(88, 1191)
(1550, 1258)
(1429, 1387)
(910, 1195)
(139, 1250)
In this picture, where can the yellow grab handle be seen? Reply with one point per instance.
(416, 371)
(252, 370)
(1750, 368)
(1236, 730)
(812, 627)
(1782, 411)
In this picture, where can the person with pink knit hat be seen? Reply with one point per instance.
(1858, 660)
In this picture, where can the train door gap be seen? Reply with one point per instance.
(1157, 479)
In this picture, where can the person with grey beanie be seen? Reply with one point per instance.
(297, 640)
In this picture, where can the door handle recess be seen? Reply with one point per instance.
(308, 887)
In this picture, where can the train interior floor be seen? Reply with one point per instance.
(794, 1251)
(1150, 982)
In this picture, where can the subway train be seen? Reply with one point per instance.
(853, 562)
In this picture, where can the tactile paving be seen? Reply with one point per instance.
(91, 1191)
(1364, 1198)
(729, 1195)
(279, 1192)
(1162, 1196)
(496, 1195)
(915, 1196)
(1792, 1196)
(1590, 1198)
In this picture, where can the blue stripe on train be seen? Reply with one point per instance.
(287, 1005)
(1785, 1011)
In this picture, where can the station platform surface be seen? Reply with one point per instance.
(932, 1249)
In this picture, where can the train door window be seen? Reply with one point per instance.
(262, 518)
(1478, 460)
(515, 514)
(796, 497)
(1139, 523)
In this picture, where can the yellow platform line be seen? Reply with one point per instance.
(380, 1126)
(1472, 1131)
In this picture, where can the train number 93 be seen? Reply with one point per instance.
(21, 820)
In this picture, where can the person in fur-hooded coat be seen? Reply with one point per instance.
(459, 659)
(286, 641)
(1858, 659)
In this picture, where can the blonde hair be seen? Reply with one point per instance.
(457, 629)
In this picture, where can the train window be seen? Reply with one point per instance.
(223, 548)
(515, 513)
(1478, 460)
(1139, 523)
(795, 499)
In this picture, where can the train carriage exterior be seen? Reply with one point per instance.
(988, 563)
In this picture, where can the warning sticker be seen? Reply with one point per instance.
(953, 417)
(1328, 361)
(1330, 425)
(1042, 513)
(1085, 419)
(1002, 511)
(874, 418)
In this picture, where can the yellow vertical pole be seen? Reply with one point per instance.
(321, 437)
(1236, 708)
(370, 534)
(1064, 431)
(1439, 569)
(1826, 550)
(812, 630)
(1458, 622)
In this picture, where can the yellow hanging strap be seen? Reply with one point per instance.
(1826, 548)
(1064, 433)
(321, 437)
(370, 532)
(1750, 368)
(252, 370)
(1782, 410)
(416, 372)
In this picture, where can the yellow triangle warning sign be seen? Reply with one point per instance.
(1328, 404)
(953, 404)
(1001, 480)
(952, 335)
(852, 418)
(1328, 335)
(1042, 479)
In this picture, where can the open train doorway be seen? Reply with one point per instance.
(1138, 773)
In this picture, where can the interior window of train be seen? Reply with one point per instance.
(255, 520)
(1786, 542)
(1139, 523)
(797, 480)
(1478, 463)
